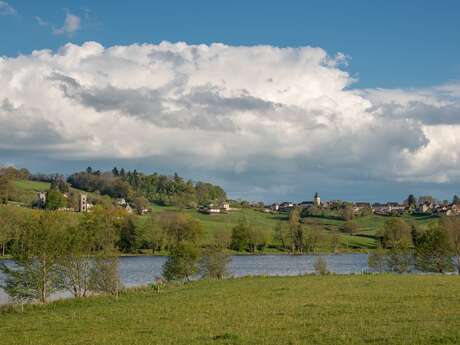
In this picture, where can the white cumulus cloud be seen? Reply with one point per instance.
(282, 115)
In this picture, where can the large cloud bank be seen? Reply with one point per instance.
(280, 113)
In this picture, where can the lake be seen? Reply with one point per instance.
(141, 270)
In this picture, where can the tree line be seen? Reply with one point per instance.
(56, 251)
(403, 247)
(161, 189)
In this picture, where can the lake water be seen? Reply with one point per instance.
(141, 270)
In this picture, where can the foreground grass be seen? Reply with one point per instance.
(380, 309)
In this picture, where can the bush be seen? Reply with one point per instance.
(349, 227)
(321, 266)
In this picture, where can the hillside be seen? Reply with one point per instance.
(375, 309)
(364, 238)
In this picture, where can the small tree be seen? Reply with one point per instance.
(4, 189)
(314, 236)
(397, 239)
(296, 230)
(76, 266)
(452, 227)
(182, 262)
(36, 253)
(55, 200)
(214, 263)
(140, 204)
(282, 235)
(128, 239)
(321, 266)
(240, 235)
(376, 259)
(433, 250)
(349, 227)
(153, 234)
(334, 240)
(346, 213)
(104, 274)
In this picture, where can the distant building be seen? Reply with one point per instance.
(225, 206)
(317, 200)
(285, 206)
(306, 204)
(83, 203)
(41, 199)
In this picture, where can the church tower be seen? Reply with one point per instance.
(83, 203)
(317, 200)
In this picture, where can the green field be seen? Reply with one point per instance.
(31, 186)
(361, 309)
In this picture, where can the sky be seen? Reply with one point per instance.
(358, 100)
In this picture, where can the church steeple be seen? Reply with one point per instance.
(317, 200)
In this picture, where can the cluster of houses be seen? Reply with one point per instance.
(428, 207)
(223, 207)
(83, 204)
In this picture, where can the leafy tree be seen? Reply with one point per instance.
(297, 231)
(76, 267)
(37, 253)
(104, 274)
(128, 239)
(153, 235)
(9, 225)
(346, 213)
(396, 232)
(313, 238)
(140, 204)
(180, 227)
(240, 235)
(101, 225)
(55, 200)
(433, 250)
(182, 262)
(283, 235)
(257, 239)
(214, 263)
(349, 227)
(397, 239)
(452, 227)
(335, 240)
(4, 189)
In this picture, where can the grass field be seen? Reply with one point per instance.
(362, 309)
(31, 186)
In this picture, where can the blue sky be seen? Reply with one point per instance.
(391, 43)
(371, 112)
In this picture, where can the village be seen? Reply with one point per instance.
(422, 206)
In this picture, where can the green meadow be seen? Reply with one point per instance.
(359, 309)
